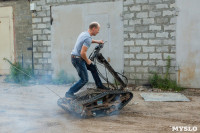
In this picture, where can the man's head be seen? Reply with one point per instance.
(94, 28)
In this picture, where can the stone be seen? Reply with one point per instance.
(141, 56)
(154, 28)
(135, 8)
(142, 15)
(141, 88)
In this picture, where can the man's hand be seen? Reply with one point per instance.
(89, 62)
(98, 41)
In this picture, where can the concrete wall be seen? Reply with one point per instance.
(188, 43)
(70, 20)
(22, 29)
(149, 36)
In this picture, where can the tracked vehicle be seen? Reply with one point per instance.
(97, 102)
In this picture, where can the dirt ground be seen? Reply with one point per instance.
(33, 109)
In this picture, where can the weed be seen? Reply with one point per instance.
(157, 81)
(16, 76)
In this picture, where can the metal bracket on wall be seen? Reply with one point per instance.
(51, 18)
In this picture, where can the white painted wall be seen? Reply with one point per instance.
(71, 20)
(6, 38)
(188, 43)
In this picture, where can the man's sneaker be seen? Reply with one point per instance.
(68, 95)
(103, 88)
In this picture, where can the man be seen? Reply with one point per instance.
(82, 63)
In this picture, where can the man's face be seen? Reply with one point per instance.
(95, 31)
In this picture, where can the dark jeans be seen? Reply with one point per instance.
(82, 67)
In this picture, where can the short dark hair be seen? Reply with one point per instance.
(93, 24)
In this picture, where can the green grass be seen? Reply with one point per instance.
(17, 76)
(164, 83)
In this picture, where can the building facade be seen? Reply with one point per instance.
(141, 35)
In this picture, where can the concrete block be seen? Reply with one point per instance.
(148, 49)
(155, 42)
(155, 56)
(162, 34)
(161, 63)
(141, 1)
(172, 56)
(47, 43)
(41, 14)
(162, 20)
(169, 27)
(36, 20)
(129, 43)
(154, 28)
(169, 13)
(38, 66)
(161, 6)
(169, 42)
(135, 49)
(141, 42)
(42, 61)
(41, 26)
(154, 14)
(148, 63)
(37, 32)
(148, 21)
(135, 76)
(47, 55)
(42, 49)
(37, 55)
(46, 31)
(135, 63)
(135, 35)
(173, 20)
(46, 19)
(136, 21)
(148, 7)
(162, 49)
(125, 22)
(135, 8)
(126, 49)
(157, 69)
(142, 15)
(128, 56)
(142, 69)
(37, 43)
(141, 56)
(128, 2)
(125, 9)
(129, 69)
(155, 1)
(128, 15)
(142, 28)
(148, 35)
(42, 37)
(130, 28)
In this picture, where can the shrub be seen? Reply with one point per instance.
(18, 74)
(157, 81)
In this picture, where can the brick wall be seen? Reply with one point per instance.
(22, 28)
(149, 36)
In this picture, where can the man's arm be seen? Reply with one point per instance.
(98, 41)
(84, 56)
